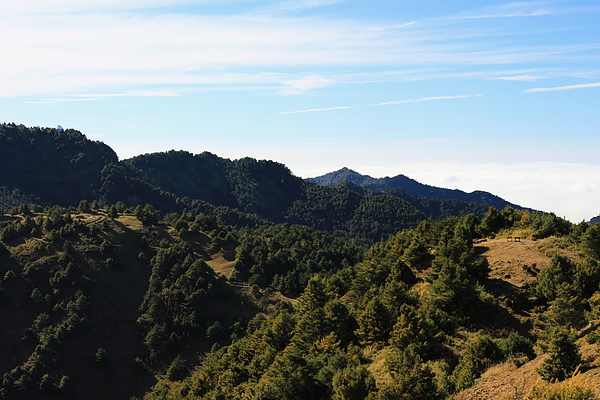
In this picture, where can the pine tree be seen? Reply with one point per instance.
(352, 383)
(564, 356)
(374, 323)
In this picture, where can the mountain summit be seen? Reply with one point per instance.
(410, 187)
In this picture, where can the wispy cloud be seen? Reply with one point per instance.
(386, 103)
(509, 10)
(567, 87)
(316, 110)
(406, 24)
(73, 46)
(422, 99)
(299, 86)
(100, 96)
(299, 5)
(426, 141)
(524, 78)
(60, 6)
(318, 139)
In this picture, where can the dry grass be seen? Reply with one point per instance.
(221, 265)
(507, 381)
(579, 387)
(499, 369)
(378, 367)
(503, 382)
(513, 262)
(514, 265)
(130, 222)
(555, 245)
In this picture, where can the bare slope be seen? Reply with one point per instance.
(514, 262)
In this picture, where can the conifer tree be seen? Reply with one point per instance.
(352, 383)
(564, 356)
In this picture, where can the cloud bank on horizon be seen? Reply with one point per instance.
(386, 83)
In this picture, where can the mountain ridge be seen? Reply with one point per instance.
(411, 187)
(63, 167)
(103, 300)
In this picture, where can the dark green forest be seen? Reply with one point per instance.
(408, 186)
(49, 167)
(106, 301)
(191, 276)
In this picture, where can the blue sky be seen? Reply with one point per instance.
(498, 96)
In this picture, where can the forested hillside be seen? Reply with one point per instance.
(407, 186)
(54, 167)
(192, 276)
(95, 301)
(105, 301)
(420, 318)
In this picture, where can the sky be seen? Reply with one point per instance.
(474, 95)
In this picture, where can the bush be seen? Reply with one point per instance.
(515, 345)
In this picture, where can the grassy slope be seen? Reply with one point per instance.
(514, 266)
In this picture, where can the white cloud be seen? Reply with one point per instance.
(8, 7)
(57, 51)
(300, 5)
(406, 24)
(386, 103)
(315, 110)
(567, 87)
(131, 93)
(524, 78)
(508, 10)
(569, 190)
(304, 84)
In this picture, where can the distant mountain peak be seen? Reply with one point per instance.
(343, 174)
(410, 187)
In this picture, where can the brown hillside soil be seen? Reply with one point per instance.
(513, 268)
(516, 263)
